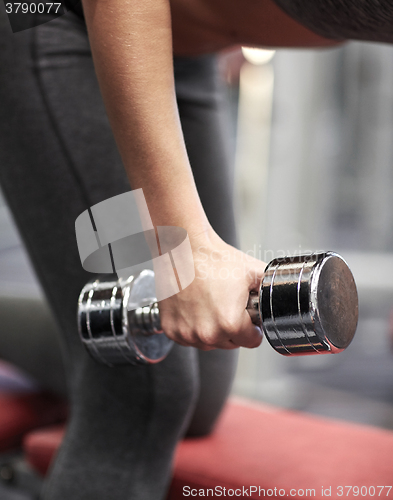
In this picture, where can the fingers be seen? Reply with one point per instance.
(255, 274)
(249, 335)
(218, 335)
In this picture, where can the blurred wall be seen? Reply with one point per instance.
(330, 172)
(325, 182)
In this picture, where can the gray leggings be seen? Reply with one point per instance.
(57, 158)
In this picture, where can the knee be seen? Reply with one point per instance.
(155, 401)
(216, 373)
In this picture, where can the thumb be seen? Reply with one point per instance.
(255, 274)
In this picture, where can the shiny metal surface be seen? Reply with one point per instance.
(253, 308)
(306, 305)
(309, 304)
(118, 320)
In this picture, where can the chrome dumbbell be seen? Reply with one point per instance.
(305, 305)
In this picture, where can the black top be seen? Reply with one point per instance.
(75, 6)
(344, 19)
(336, 19)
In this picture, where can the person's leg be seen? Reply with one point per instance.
(58, 157)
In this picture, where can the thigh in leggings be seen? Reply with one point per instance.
(57, 158)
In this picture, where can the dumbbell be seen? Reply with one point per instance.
(306, 304)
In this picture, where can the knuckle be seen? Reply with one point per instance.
(193, 337)
(209, 337)
(186, 335)
(230, 325)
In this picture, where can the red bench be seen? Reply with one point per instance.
(22, 412)
(259, 446)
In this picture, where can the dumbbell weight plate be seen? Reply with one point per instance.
(118, 320)
(309, 304)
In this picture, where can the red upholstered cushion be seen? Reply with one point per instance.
(41, 445)
(267, 447)
(262, 446)
(22, 412)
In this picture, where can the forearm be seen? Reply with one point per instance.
(132, 50)
(352, 19)
(131, 43)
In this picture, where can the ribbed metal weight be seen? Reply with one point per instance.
(308, 304)
(305, 305)
(118, 320)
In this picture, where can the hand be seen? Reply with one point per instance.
(211, 312)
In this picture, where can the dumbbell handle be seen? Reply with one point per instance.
(148, 317)
(253, 308)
